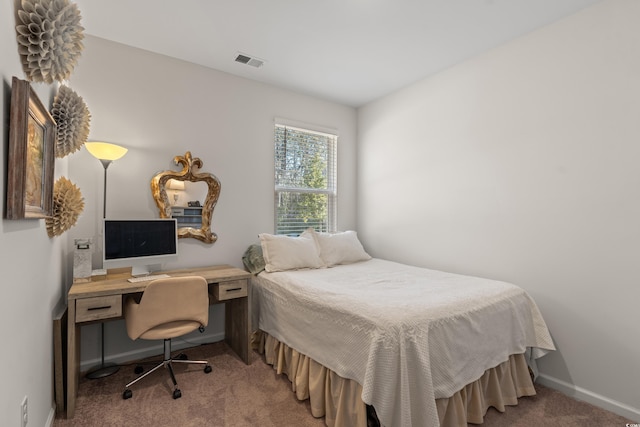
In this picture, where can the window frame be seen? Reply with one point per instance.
(331, 189)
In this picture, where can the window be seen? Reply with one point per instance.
(305, 178)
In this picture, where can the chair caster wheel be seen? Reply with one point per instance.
(138, 370)
(177, 394)
(207, 369)
(127, 394)
(182, 356)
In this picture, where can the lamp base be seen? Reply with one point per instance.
(102, 371)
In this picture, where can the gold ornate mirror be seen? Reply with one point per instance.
(194, 220)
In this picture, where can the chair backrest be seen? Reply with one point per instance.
(168, 301)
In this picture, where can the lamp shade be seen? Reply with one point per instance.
(174, 184)
(105, 150)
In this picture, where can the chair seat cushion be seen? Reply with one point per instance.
(170, 330)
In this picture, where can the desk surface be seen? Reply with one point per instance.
(213, 274)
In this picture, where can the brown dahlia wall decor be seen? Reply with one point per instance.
(49, 39)
(72, 121)
(68, 204)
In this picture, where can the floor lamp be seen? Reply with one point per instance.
(106, 153)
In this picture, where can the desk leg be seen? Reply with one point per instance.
(73, 359)
(237, 328)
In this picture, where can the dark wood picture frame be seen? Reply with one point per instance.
(31, 155)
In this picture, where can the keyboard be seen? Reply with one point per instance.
(147, 278)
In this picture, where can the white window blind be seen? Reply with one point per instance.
(305, 180)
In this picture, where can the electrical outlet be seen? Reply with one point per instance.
(24, 413)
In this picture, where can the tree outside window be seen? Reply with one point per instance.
(305, 177)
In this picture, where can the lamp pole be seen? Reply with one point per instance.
(106, 153)
(106, 164)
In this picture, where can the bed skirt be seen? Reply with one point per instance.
(339, 399)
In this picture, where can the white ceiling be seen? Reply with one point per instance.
(347, 51)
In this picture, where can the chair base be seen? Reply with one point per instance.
(167, 363)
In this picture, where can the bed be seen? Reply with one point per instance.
(422, 347)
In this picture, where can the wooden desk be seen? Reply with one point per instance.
(103, 300)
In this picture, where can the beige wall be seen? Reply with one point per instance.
(522, 165)
(32, 272)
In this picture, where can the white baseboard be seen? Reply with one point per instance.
(595, 399)
(52, 416)
(153, 350)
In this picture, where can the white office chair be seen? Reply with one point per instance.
(169, 308)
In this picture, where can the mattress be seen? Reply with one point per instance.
(408, 335)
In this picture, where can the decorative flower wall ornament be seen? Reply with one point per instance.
(72, 121)
(49, 39)
(68, 204)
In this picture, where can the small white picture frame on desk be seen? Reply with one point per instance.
(82, 260)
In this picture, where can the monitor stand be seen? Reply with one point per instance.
(145, 270)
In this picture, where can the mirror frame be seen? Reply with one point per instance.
(190, 172)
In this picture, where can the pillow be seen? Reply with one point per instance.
(283, 253)
(340, 248)
(253, 259)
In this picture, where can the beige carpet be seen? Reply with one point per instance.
(237, 395)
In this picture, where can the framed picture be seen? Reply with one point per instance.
(31, 155)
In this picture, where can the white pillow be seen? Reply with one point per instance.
(289, 253)
(340, 248)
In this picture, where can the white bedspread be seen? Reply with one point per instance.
(408, 335)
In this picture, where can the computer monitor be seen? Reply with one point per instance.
(144, 244)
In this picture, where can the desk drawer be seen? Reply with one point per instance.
(229, 290)
(96, 308)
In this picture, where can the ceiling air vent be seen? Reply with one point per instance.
(248, 60)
